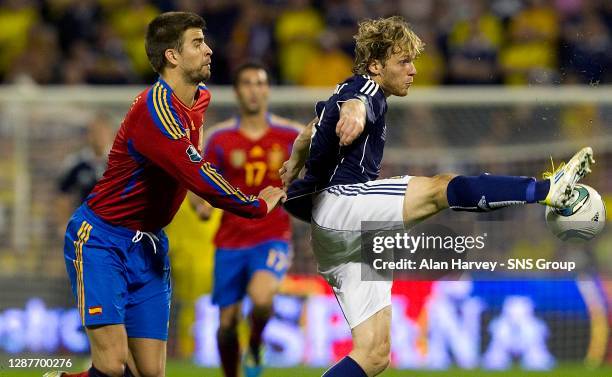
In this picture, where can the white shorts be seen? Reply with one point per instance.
(336, 229)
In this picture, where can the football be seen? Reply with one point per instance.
(583, 219)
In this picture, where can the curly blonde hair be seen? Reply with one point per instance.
(378, 39)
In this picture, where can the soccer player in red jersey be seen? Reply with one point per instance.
(115, 250)
(251, 256)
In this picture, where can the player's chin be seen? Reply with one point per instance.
(251, 110)
(202, 76)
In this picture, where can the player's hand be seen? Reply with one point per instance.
(288, 172)
(351, 123)
(272, 196)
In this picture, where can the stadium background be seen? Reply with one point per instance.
(502, 85)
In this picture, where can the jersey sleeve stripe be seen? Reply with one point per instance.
(216, 183)
(369, 88)
(169, 108)
(163, 114)
(223, 183)
(365, 86)
(375, 90)
(157, 114)
(235, 194)
(210, 180)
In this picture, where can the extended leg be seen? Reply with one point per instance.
(427, 196)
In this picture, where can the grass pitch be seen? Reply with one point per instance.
(176, 368)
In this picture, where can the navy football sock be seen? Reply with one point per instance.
(346, 367)
(488, 192)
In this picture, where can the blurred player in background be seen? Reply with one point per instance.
(342, 150)
(116, 252)
(251, 257)
(84, 168)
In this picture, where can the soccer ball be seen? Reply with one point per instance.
(583, 219)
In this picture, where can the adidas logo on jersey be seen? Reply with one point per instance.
(482, 204)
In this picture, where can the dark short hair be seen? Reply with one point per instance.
(243, 67)
(166, 31)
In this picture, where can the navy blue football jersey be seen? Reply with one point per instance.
(328, 163)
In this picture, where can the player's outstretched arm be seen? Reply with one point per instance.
(179, 158)
(351, 122)
(299, 154)
(272, 196)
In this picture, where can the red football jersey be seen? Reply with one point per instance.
(251, 165)
(155, 159)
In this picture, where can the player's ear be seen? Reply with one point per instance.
(375, 67)
(171, 55)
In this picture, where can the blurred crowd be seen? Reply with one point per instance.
(309, 42)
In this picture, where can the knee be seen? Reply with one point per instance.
(375, 358)
(262, 299)
(111, 361)
(380, 357)
(228, 323)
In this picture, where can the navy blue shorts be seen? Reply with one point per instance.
(118, 276)
(234, 269)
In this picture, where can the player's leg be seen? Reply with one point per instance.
(268, 264)
(426, 196)
(109, 350)
(229, 287)
(338, 216)
(366, 306)
(262, 288)
(227, 339)
(109, 353)
(149, 357)
(147, 313)
(372, 343)
(100, 290)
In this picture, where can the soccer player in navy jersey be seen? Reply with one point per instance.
(115, 250)
(342, 150)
